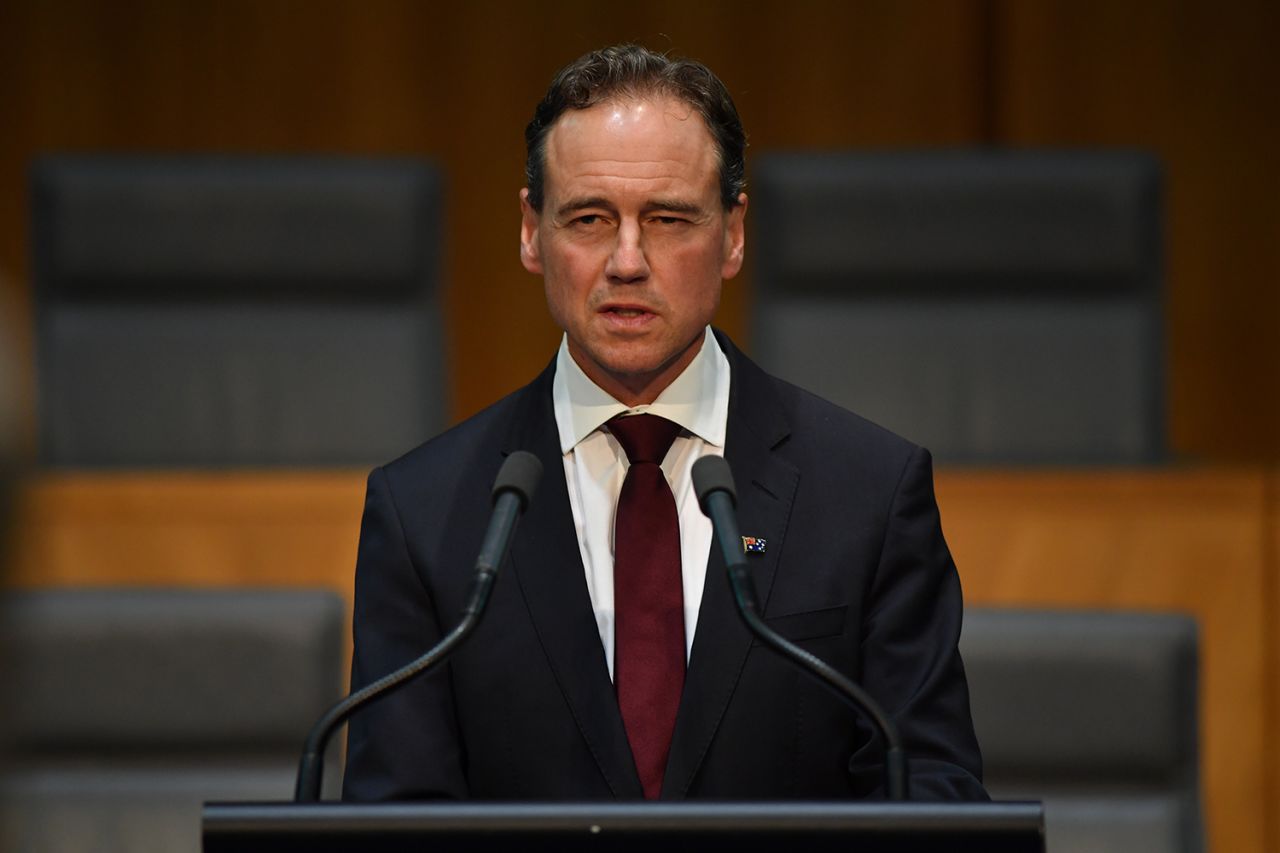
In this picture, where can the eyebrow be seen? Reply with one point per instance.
(576, 204)
(672, 205)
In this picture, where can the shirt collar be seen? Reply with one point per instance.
(698, 399)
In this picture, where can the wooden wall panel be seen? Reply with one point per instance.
(188, 529)
(1271, 742)
(1196, 82)
(1186, 541)
(457, 82)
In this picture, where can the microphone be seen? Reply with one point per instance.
(713, 484)
(513, 488)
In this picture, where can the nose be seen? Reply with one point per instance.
(627, 263)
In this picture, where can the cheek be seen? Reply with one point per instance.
(697, 260)
(572, 261)
(556, 303)
(696, 269)
(568, 282)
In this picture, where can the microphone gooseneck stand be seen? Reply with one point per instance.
(512, 490)
(713, 483)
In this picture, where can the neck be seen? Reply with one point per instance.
(637, 389)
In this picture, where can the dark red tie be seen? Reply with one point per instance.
(648, 597)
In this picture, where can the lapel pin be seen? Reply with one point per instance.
(752, 545)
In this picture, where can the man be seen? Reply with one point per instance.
(575, 685)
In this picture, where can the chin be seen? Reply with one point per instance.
(632, 368)
(626, 357)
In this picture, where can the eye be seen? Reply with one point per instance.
(590, 221)
(669, 220)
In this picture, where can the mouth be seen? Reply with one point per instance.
(627, 316)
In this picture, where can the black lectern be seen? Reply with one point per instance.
(740, 827)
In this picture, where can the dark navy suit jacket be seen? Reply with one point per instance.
(855, 570)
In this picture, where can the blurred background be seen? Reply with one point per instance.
(1193, 527)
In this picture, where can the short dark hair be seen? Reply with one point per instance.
(630, 70)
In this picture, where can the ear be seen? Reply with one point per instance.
(734, 238)
(530, 248)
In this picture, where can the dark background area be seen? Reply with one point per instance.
(1194, 82)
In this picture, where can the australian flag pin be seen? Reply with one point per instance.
(752, 545)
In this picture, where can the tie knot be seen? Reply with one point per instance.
(645, 438)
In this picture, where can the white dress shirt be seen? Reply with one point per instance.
(595, 465)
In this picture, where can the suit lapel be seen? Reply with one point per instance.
(547, 563)
(766, 486)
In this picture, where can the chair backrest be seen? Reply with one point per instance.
(128, 708)
(1095, 714)
(221, 310)
(995, 307)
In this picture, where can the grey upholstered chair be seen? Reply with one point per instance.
(127, 708)
(1095, 714)
(216, 310)
(995, 307)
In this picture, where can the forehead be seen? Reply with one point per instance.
(657, 142)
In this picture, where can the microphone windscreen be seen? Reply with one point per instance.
(711, 474)
(520, 473)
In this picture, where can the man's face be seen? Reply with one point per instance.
(632, 241)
